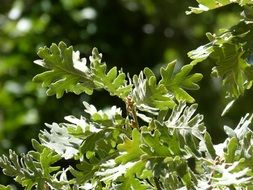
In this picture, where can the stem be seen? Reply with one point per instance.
(157, 184)
(131, 111)
(135, 118)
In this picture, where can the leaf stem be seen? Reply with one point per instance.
(157, 184)
(131, 111)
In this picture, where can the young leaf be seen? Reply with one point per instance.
(30, 172)
(209, 146)
(231, 177)
(231, 68)
(59, 140)
(243, 126)
(182, 119)
(66, 72)
(2, 187)
(109, 117)
(130, 148)
(206, 5)
(113, 81)
(232, 146)
(176, 83)
(150, 96)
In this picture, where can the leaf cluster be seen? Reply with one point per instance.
(229, 51)
(158, 141)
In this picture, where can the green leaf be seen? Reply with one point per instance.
(201, 53)
(130, 148)
(150, 96)
(155, 145)
(176, 83)
(88, 145)
(171, 139)
(133, 183)
(2, 187)
(231, 68)
(59, 140)
(209, 146)
(26, 170)
(183, 172)
(113, 81)
(206, 5)
(47, 158)
(109, 117)
(84, 172)
(228, 55)
(66, 72)
(231, 148)
(182, 119)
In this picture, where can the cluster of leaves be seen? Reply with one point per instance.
(68, 73)
(136, 151)
(160, 143)
(205, 5)
(95, 141)
(25, 26)
(230, 51)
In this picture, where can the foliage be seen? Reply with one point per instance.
(158, 141)
(230, 51)
(70, 74)
(28, 25)
(214, 4)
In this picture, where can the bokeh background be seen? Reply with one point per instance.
(131, 34)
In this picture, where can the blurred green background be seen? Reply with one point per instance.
(131, 34)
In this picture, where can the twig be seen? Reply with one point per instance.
(157, 184)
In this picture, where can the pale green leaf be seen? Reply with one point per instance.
(209, 146)
(231, 148)
(113, 81)
(177, 83)
(2, 187)
(66, 71)
(206, 5)
(130, 148)
(150, 96)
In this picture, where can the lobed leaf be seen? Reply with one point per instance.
(130, 148)
(176, 83)
(150, 96)
(66, 72)
(113, 81)
(206, 5)
(31, 172)
(3, 187)
(230, 64)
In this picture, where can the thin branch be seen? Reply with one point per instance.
(157, 184)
